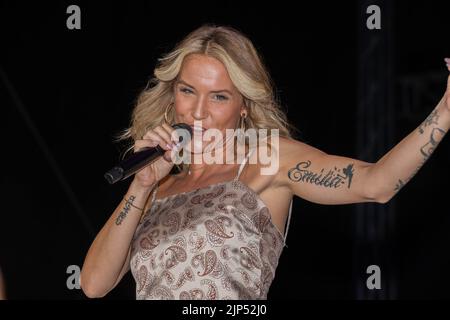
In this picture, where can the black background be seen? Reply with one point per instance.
(79, 86)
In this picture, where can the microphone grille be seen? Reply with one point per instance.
(183, 126)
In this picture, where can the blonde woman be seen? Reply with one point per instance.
(216, 230)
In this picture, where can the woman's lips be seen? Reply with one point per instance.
(198, 129)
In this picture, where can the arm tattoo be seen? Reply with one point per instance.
(426, 150)
(435, 137)
(399, 185)
(431, 119)
(123, 214)
(332, 179)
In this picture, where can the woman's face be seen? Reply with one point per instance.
(205, 94)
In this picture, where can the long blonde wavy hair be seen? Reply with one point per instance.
(244, 66)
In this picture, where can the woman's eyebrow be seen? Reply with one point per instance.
(180, 81)
(224, 90)
(185, 83)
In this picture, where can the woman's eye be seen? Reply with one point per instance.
(186, 90)
(220, 97)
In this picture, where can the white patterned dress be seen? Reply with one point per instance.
(216, 242)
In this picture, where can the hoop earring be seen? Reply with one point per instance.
(165, 113)
(242, 127)
(242, 122)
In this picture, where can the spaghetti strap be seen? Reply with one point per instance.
(288, 222)
(241, 167)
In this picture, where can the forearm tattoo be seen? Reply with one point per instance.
(331, 179)
(123, 214)
(432, 118)
(428, 148)
(435, 137)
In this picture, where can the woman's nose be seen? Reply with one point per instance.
(200, 109)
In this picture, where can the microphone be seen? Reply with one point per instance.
(140, 159)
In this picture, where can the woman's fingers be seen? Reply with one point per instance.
(161, 140)
(168, 156)
(139, 144)
(174, 137)
(164, 134)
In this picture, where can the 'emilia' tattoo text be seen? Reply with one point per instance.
(333, 178)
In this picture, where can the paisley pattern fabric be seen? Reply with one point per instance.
(216, 242)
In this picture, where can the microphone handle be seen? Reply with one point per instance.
(133, 163)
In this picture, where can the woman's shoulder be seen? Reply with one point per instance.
(284, 144)
(283, 148)
(290, 144)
